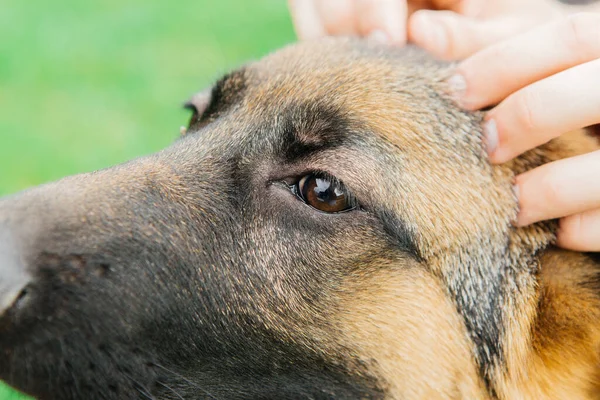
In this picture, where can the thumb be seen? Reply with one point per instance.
(452, 36)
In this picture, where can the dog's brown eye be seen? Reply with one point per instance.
(326, 194)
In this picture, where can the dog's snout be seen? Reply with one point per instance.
(13, 276)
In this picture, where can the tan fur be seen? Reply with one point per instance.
(404, 321)
(562, 359)
(557, 355)
(472, 308)
(553, 340)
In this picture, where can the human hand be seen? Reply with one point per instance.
(546, 82)
(386, 20)
(471, 25)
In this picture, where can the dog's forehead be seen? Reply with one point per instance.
(436, 170)
(364, 82)
(422, 153)
(345, 72)
(399, 95)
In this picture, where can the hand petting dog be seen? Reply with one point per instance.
(543, 83)
(437, 25)
(539, 74)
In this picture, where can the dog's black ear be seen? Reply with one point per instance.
(197, 104)
(213, 102)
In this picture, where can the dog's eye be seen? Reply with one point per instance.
(325, 193)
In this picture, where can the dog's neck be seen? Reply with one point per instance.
(557, 354)
(550, 300)
(535, 326)
(531, 310)
(500, 306)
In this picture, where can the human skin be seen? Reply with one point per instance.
(388, 20)
(544, 83)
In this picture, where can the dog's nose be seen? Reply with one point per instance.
(13, 276)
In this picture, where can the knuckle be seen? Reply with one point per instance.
(583, 33)
(528, 104)
(552, 193)
(569, 230)
(580, 232)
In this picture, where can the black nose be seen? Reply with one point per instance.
(13, 276)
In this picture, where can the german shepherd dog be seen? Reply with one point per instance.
(328, 228)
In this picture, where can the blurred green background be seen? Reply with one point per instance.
(88, 84)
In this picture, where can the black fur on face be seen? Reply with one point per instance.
(190, 272)
(197, 272)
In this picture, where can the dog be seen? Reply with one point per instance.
(328, 227)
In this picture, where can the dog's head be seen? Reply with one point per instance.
(328, 227)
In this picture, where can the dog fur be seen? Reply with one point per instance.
(195, 273)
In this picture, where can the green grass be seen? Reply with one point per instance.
(88, 84)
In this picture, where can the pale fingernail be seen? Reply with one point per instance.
(379, 36)
(490, 136)
(458, 87)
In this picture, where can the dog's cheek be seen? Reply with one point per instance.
(402, 318)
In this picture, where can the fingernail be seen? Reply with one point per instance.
(490, 136)
(458, 86)
(379, 36)
(516, 191)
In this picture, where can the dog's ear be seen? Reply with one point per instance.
(211, 103)
(197, 104)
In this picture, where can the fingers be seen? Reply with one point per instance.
(452, 36)
(561, 188)
(580, 232)
(383, 19)
(316, 18)
(499, 70)
(338, 16)
(306, 19)
(385, 16)
(546, 109)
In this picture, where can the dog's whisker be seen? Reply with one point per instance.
(171, 389)
(185, 380)
(145, 394)
(141, 388)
